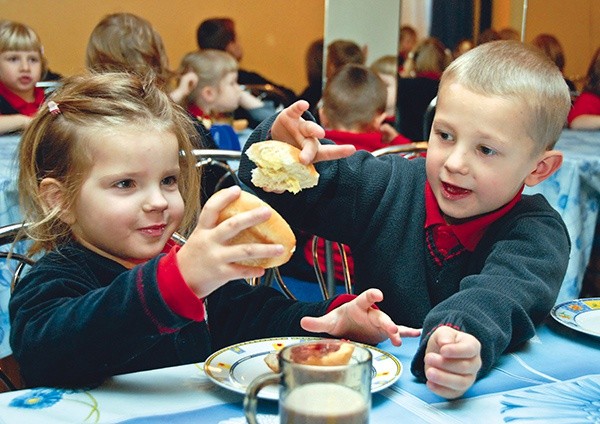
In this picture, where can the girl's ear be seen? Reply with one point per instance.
(52, 193)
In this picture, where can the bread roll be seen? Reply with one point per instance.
(273, 231)
(278, 167)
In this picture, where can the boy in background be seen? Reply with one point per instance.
(354, 108)
(450, 239)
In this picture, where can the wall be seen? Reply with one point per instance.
(576, 23)
(274, 34)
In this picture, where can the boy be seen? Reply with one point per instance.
(450, 239)
(354, 108)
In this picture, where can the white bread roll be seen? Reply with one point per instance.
(278, 167)
(273, 231)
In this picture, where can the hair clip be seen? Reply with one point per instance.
(53, 108)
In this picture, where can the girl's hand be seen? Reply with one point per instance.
(358, 320)
(452, 360)
(291, 127)
(206, 260)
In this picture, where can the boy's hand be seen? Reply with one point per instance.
(357, 320)
(388, 133)
(206, 260)
(289, 126)
(452, 360)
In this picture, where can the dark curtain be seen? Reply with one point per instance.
(452, 20)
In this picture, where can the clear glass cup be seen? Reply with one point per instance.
(315, 394)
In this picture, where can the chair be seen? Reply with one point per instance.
(269, 92)
(428, 118)
(48, 86)
(10, 376)
(408, 151)
(327, 285)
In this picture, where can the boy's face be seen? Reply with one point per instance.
(129, 204)
(229, 91)
(20, 71)
(479, 152)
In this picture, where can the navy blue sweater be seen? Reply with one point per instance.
(498, 293)
(78, 318)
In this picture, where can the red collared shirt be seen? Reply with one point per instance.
(447, 238)
(21, 105)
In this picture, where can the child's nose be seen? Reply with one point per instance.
(457, 162)
(24, 64)
(155, 201)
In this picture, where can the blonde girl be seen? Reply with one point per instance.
(106, 178)
(22, 66)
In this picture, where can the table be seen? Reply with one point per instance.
(9, 214)
(554, 378)
(574, 191)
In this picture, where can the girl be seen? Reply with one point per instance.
(104, 186)
(22, 66)
(585, 113)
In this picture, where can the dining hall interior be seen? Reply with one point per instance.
(551, 376)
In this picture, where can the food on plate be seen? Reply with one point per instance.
(273, 231)
(279, 169)
(272, 361)
(322, 353)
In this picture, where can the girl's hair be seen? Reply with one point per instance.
(313, 61)
(342, 52)
(592, 83)
(55, 144)
(210, 66)
(15, 36)
(123, 42)
(551, 47)
(513, 70)
(354, 97)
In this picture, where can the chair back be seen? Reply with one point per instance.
(10, 375)
(409, 151)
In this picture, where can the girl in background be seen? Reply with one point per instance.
(585, 113)
(104, 186)
(22, 66)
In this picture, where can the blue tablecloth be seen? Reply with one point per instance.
(574, 191)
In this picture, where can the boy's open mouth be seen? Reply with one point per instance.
(453, 190)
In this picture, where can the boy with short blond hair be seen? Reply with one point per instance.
(451, 239)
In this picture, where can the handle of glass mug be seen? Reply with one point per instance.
(251, 399)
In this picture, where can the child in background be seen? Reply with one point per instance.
(217, 91)
(552, 48)
(585, 114)
(354, 108)
(22, 66)
(406, 43)
(340, 53)
(450, 239)
(104, 186)
(386, 68)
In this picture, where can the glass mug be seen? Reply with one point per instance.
(315, 394)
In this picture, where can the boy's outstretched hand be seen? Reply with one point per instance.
(358, 320)
(291, 127)
(452, 360)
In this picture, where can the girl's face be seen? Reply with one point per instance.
(20, 71)
(229, 91)
(129, 204)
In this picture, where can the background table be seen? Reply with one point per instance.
(553, 378)
(574, 191)
(9, 214)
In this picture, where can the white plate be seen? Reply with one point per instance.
(234, 367)
(582, 315)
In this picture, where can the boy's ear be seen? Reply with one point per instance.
(547, 165)
(323, 118)
(378, 121)
(52, 193)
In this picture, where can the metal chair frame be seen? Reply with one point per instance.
(8, 235)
